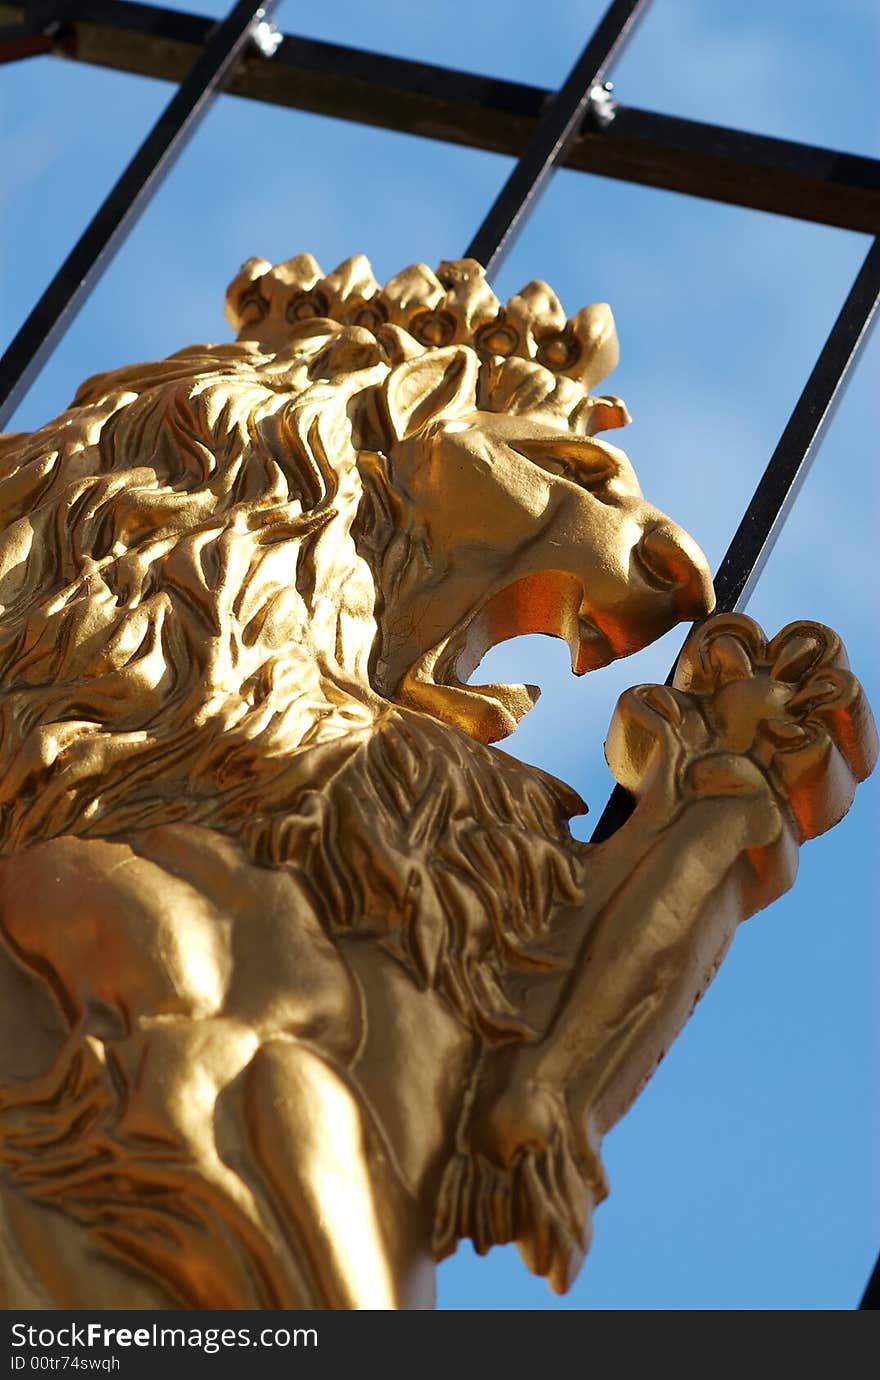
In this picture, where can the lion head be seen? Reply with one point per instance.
(212, 565)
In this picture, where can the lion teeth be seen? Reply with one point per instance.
(590, 648)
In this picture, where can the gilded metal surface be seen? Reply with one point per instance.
(302, 982)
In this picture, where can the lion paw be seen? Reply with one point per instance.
(527, 1177)
(791, 705)
(745, 714)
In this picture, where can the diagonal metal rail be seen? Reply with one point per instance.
(95, 248)
(786, 471)
(790, 462)
(555, 132)
(871, 1296)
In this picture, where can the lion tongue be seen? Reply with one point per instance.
(485, 712)
(516, 700)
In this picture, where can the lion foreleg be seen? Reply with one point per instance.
(656, 947)
(540, 1110)
(330, 1180)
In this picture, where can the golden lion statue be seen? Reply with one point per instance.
(302, 981)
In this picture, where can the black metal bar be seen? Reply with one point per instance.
(739, 169)
(871, 1296)
(708, 161)
(95, 248)
(788, 467)
(781, 481)
(25, 40)
(549, 143)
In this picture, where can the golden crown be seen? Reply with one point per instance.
(453, 306)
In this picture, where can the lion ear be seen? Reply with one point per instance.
(439, 382)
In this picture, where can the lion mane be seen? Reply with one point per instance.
(191, 600)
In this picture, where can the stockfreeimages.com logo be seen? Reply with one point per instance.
(207, 1339)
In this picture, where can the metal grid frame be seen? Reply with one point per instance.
(580, 126)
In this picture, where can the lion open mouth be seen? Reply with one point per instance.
(551, 602)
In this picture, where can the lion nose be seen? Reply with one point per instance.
(677, 563)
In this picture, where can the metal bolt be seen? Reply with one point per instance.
(602, 106)
(265, 37)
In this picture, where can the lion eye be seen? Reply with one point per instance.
(556, 466)
(592, 474)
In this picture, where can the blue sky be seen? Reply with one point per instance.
(745, 1176)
